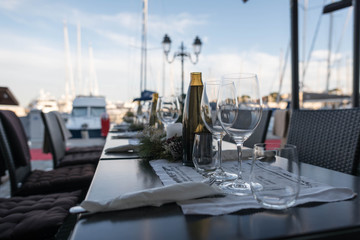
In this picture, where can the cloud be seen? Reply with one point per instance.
(176, 24)
(10, 4)
(322, 55)
(121, 39)
(43, 66)
(38, 65)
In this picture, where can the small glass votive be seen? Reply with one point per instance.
(275, 175)
(205, 153)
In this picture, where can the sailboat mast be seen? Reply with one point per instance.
(329, 54)
(79, 62)
(94, 87)
(143, 47)
(69, 79)
(304, 45)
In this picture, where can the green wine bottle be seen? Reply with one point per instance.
(191, 116)
(153, 116)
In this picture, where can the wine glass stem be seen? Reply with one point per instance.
(239, 147)
(220, 151)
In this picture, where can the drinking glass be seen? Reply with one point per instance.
(275, 175)
(168, 110)
(205, 153)
(140, 113)
(147, 112)
(209, 116)
(239, 113)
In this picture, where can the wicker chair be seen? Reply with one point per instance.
(15, 153)
(66, 135)
(327, 138)
(259, 134)
(58, 146)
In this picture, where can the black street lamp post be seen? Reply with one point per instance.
(182, 54)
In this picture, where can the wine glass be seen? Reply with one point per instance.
(147, 112)
(209, 116)
(239, 113)
(139, 113)
(168, 110)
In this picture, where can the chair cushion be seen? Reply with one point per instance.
(80, 158)
(17, 138)
(84, 149)
(58, 180)
(35, 217)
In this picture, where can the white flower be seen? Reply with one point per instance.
(174, 129)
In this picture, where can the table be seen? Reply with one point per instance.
(114, 142)
(111, 142)
(114, 177)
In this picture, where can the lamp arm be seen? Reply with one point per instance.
(196, 59)
(173, 58)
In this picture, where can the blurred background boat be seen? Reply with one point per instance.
(85, 118)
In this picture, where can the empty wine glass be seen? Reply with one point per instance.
(239, 112)
(139, 113)
(168, 110)
(142, 112)
(209, 116)
(147, 112)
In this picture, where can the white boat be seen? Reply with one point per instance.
(85, 118)
(44, 102)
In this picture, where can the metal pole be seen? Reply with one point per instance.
(356, 61)
(182, 67)
(163, 76)
(329, 54)
(143, 48)
(294, 55)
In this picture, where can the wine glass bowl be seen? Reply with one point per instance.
(168, 110)
(208, 107)
(239, 112)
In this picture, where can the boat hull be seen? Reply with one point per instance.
(90, 133)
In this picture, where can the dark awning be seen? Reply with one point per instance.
(6, 97)
(145, 96)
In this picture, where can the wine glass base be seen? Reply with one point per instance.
(237, 187)
(220, 175)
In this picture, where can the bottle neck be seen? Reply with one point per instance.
(196, 79)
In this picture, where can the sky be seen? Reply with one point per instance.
(237, 37)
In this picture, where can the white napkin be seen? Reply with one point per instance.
(232, 203)
(310, 191)
(121, 127)
(153, 197)
(126, 135)
(123, 148)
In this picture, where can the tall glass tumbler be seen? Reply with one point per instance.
(275, 175)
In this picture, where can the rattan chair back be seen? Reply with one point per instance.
(327, 138)
(18, 170)
(55, 137)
